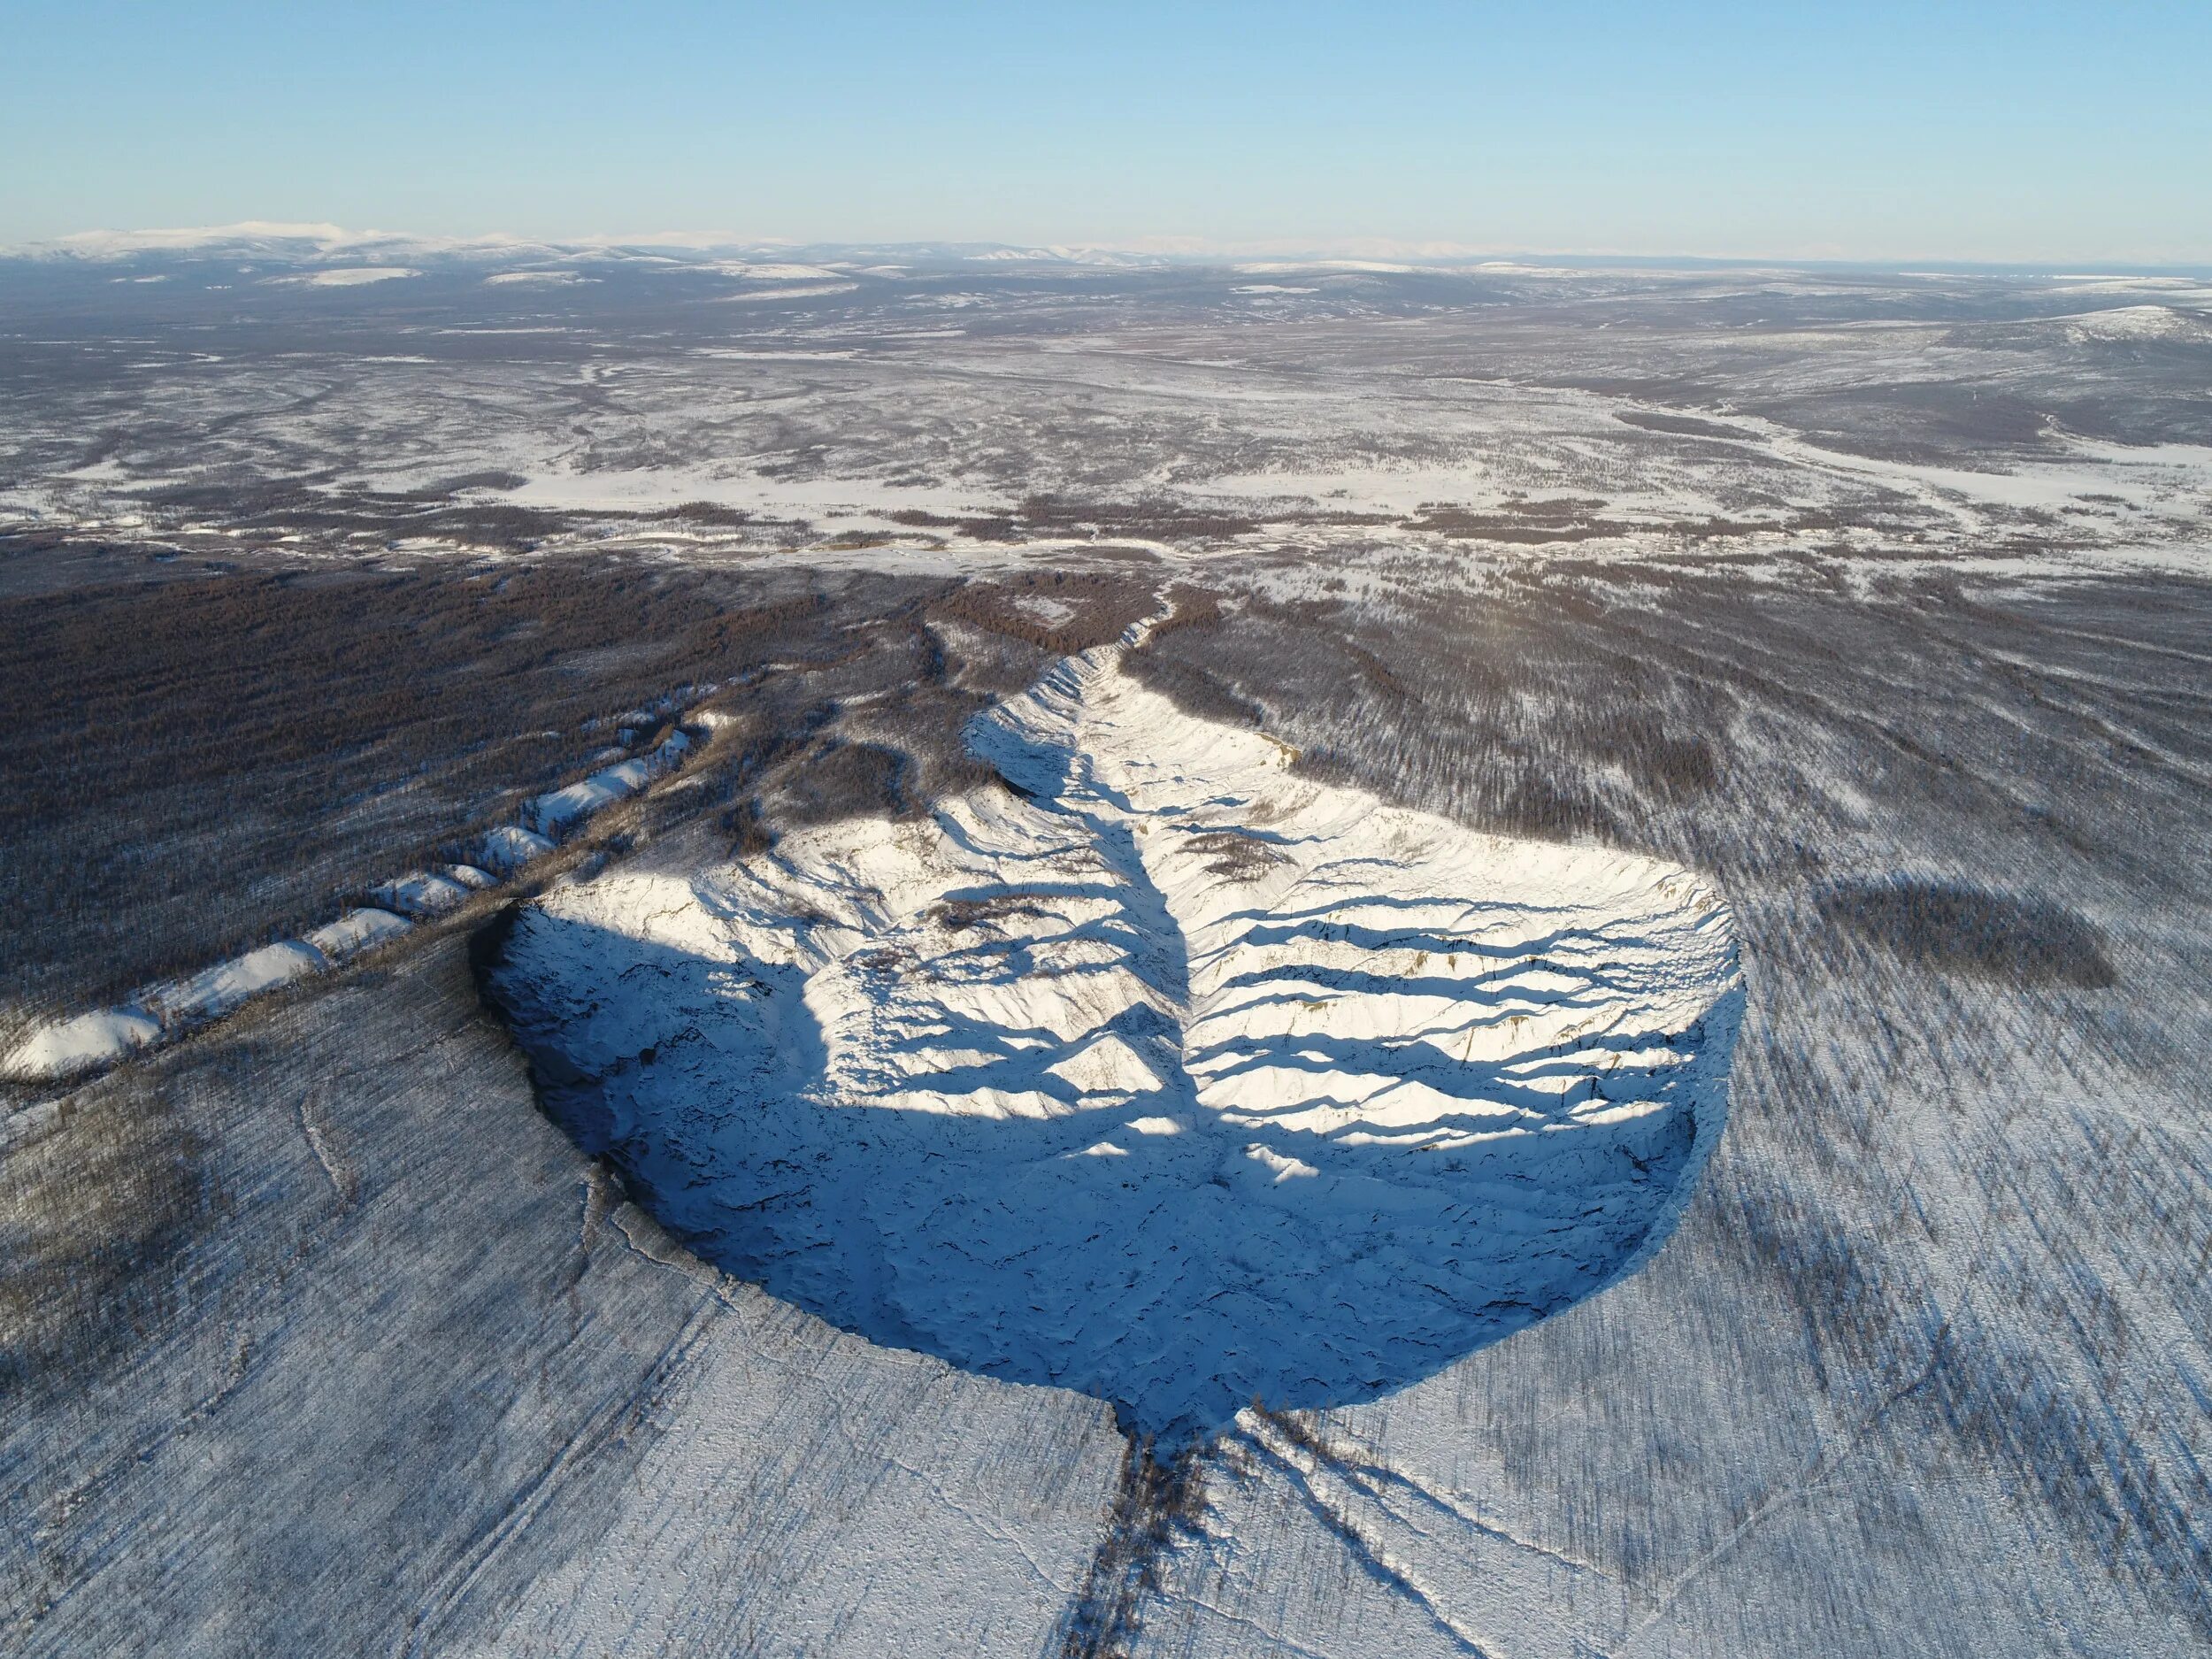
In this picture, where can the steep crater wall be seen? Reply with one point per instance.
(1166, 1075)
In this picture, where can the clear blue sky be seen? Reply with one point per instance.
(1981, 131)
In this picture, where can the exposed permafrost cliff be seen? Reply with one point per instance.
(1173, 1078)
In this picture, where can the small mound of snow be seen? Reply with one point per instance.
(549, 814)
(217, 991)
(70, 1046)
(354, 932)
(506, 849)
(422, 894)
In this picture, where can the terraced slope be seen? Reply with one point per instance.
(1164, 1073)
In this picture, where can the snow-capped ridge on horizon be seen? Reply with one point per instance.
(320, 241)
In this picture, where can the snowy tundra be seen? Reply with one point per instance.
(332, 1320)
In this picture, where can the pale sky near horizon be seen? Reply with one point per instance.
(1881, 131)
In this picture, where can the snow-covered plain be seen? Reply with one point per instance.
(1173, 1078)
(350, 276)
(1422, 410)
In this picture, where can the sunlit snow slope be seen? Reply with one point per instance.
(1166, 1074)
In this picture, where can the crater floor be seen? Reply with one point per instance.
(1166, 1074)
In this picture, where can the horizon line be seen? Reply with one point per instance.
(328, 239)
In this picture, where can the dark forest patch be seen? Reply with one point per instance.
(1965, 929)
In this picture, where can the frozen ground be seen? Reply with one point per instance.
(1877, 599)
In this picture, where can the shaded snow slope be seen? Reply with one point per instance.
(1173, 1078)
(83, 1043)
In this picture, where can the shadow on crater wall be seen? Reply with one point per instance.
(1174, 1258)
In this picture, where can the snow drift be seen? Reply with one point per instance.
(1163, 1074)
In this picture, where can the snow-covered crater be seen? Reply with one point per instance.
(1174, 1078)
